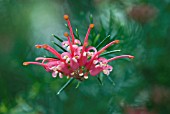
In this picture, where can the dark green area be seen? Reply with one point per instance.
(141, 84)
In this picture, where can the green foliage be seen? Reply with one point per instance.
(142, 83)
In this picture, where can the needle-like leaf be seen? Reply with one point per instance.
(57, 38)
(65, 85)
(110, 79)
(59, 46)
(110, 52)
(102, 41)
(76, 35)
(91, 18)
(100, 81)
(78, 84)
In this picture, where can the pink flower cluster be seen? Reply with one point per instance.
(80, 60)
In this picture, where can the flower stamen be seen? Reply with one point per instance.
(66, 17)
(50, 49)
(79, 60)
(122, 56)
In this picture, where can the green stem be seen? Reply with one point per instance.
(57, 38)
(76, 35)
(110, 79)
(96, 39)
(100, 81)
(65, 85)
(59, 46)
(102, 41)
(110, 52)
(91, 18)
(78, 84)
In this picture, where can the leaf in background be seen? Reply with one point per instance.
(110, 79)
(91, 18)
(111, 23)
(103, 41)
(100, 78)
(57, 38)
(77, 35)
(96, 39)
(65, 85)
(59, 46)
(78, 84)
(110, 52)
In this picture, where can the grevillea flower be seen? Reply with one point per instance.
(80, 60)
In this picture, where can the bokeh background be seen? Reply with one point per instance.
(141, 86)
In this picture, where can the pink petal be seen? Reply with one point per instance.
(60, 75)
(108, 67)
(77, 42)
(50, 49)
(92, 48)
(74, 65)
(45, 59)
(65, 42)
(103, 60)
(64, 69)
(70, 28)
(96, 71)
(54, 74)
(121, 56)
(65, 54)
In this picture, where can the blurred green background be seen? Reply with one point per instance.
(141, 85)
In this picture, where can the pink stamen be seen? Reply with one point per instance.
(104, 48)
(40, 58)
(50, 49)
(86, 39)
(70, 44)
(80, 60)
(100, 51)
(108, 45)
(36, 63)
(66, 17)
(87, 35)
(45, 59)
(122, 56)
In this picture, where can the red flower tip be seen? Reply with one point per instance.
(38, 46)
(86, 44)
(131, 57)
(91, 26)
(80, 60)
(66, 34)
(45, 46)
(66, 17)
(25, 63)
(117, 41)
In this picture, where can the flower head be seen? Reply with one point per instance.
(80, 60)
